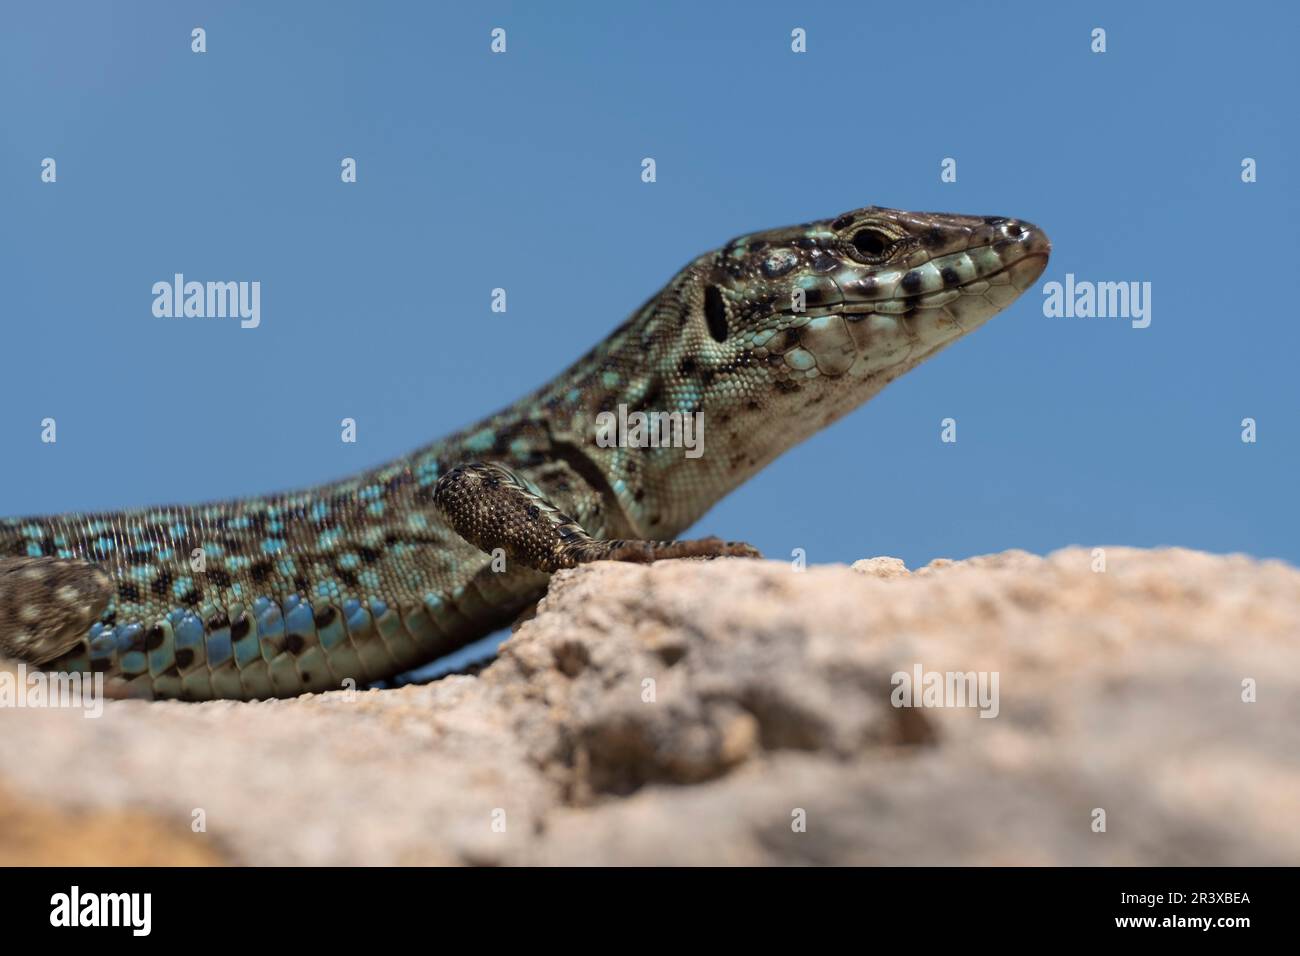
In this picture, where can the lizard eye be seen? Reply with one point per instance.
(715, 314)
(871, 242)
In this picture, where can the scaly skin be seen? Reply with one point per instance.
(380, 572)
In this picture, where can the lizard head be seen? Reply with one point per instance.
(863, 296)
(784, 331)
(779, 333)
(827, 313)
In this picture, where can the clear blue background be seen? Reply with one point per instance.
(523, 171)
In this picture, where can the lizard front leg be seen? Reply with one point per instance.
(47, 604)
(492, 507)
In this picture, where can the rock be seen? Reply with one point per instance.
(32, 834)
(881, 567)
(740, 712)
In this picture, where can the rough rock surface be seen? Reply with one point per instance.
(739, 712)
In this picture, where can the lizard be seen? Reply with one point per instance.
(769, 338)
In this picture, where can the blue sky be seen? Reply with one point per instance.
(523, 171)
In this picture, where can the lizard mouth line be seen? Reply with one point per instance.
(899, 304)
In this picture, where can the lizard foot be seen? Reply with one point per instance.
(491, 507)
(643, 552)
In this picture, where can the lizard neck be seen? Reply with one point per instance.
(630, 418)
